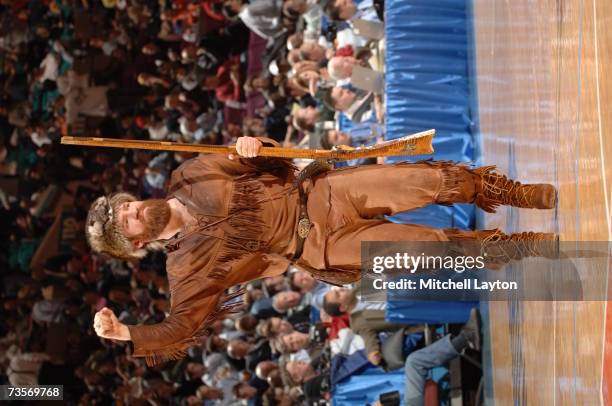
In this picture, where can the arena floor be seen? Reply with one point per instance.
(544, 79)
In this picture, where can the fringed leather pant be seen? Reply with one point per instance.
(346, 207)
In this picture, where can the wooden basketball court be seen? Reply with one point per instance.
(544, 78)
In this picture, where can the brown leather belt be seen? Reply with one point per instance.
(304, 224)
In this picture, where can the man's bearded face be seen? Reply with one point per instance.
(144, 220)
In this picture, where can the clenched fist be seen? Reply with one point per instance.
(247, 147)
(108, 326)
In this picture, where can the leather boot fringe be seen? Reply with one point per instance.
(455, 234)
(485, 203)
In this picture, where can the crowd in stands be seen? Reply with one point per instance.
(191, 71)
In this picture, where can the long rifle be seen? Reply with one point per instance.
(414, 144)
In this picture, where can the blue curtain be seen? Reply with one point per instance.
(427, 86)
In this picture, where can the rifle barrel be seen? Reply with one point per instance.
(415, 144)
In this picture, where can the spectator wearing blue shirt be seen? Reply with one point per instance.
(312, 289)
(359, 135)
(345, 10)
(358, 105)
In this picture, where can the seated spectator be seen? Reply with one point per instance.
(23, 366)
(158, 130)
(366, 318)
(344, 10)
(214, 343)
(262, 309)
(273, 285)
(282, 302)
(357, 105)
(300, 319)
(363, 134)
(308, 77)
(305, 118)
(195, 370)
(294, 56)
(81, 98)
(194, 373)
(331, 138)
(190, 80)
(205, 392)
(200, 56)
(181, 103)
(312, 289)
(260, 84)
(236, 351)
(312, 376)
(246, 324)
(295, 40)
(215, 363)
(292, 9)
(292, 342)
(273, 327)
(265, 368)
(47, 311)
(182, 12)
(341, 67)
(245, 391)
(251, 354)
(261, 16)
(439, 353)
(159, 49)
(312, 51)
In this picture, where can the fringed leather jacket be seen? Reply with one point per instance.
(246, 212)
